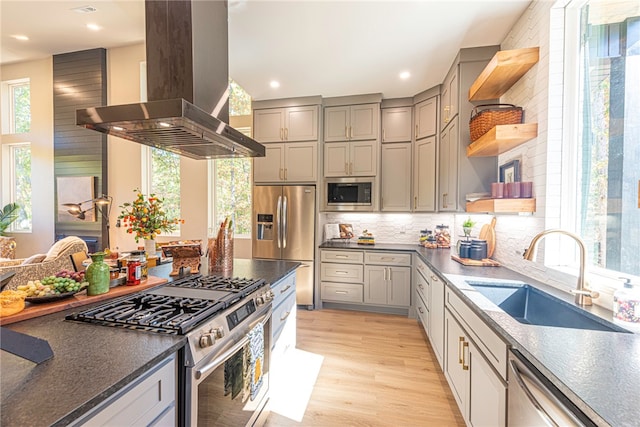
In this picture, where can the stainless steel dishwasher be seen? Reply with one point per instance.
(534, 401)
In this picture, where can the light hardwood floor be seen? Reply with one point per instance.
(378, 370)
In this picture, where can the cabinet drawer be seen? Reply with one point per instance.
(342, 292)
(351, 257)
(283, 312)
(423, 313)
(387, 258)
(422, 286)
(349, 273)
(283, 289)
(488, 342)
(422, 268)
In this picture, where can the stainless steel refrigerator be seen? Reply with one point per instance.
(284, 218)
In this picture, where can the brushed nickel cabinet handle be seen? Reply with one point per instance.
(285, 289)
(286, 134)
(351, 168)
(285, 315)
(281, 134)
(415, 202)
(342, 292)
(280, 174)
(346, 168)
(416, 131)
(285, 174)
(383, 135)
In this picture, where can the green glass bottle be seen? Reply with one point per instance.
(97, 275)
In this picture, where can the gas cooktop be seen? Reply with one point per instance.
(176, 307)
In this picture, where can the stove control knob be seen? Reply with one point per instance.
(269, 296)
(208, 339)
(259, 300)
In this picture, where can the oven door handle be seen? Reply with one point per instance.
(230, 352)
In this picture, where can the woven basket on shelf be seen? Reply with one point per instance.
(483, 118)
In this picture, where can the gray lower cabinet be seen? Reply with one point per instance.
(150, 400)
(475, 365)
(366, 277)
(431, 289)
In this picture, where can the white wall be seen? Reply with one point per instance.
(40, 73)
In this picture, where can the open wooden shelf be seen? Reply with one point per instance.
(502, 205)
(502, 138)
(505, 68)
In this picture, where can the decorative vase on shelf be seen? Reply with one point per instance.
(150, 247)
(97, 275)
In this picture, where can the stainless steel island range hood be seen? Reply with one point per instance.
(187, 86)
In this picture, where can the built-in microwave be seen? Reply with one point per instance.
(349, 194)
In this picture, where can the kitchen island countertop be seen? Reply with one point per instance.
(598, 371)
(90, 362)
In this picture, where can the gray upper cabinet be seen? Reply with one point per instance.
(424, 175)
(450, 96)
(460, 175)
(289, 124)
(425, 118)
(396, 177)
(351, 122)
(396, 124)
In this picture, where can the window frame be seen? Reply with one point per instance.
(9, 186)
(564, 254)
(8, 93)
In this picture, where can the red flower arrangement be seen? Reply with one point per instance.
(145, 217)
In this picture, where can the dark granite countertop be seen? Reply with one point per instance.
(598, 371)
(90, 362)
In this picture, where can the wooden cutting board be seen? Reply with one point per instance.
(488, 233)
(476, 263)
(80, 299)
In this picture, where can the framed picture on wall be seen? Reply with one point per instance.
(510, 172)
(78, 190)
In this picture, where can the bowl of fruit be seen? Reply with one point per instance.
(52, 288)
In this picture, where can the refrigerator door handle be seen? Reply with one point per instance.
(284, 222)
(278, 222)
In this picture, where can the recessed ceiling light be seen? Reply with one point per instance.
(94, 27)
(85, 9)
(274, 84)
(20, 37)
(164, 124)
(405, 75)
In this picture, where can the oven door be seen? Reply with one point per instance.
(207, 403)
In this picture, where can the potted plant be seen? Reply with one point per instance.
(145, 218)
(467, 226)
(8, 214)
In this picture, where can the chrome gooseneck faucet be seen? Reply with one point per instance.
(584, 295)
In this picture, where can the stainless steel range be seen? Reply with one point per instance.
(227, 323)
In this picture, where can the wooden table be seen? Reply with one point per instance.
(77, 300)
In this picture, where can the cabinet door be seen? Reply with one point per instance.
(301, 159)
(399, 286)
(336, 123)
(487, 394)
(336, 159)
(375, 284)
(457, 377)
(448, 192)
(425, 118)
(364, 122)
(436, 316)
(363, 159)
(396, 177)
(396, 124)
(269, 168)
(450, 90)
(424, 175)
(301, 123)
(268, 125)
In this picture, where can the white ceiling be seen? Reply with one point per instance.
(328, 48)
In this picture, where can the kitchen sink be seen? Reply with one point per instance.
(529, 305)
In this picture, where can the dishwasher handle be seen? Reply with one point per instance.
(517, 374)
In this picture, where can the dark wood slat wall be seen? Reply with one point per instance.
(80, 81)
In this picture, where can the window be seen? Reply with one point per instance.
(231, 178)
(18, 164)
(603, 92)
(163, 179)
(18, 106)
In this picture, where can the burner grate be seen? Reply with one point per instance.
(231, 284)
(159, 313)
